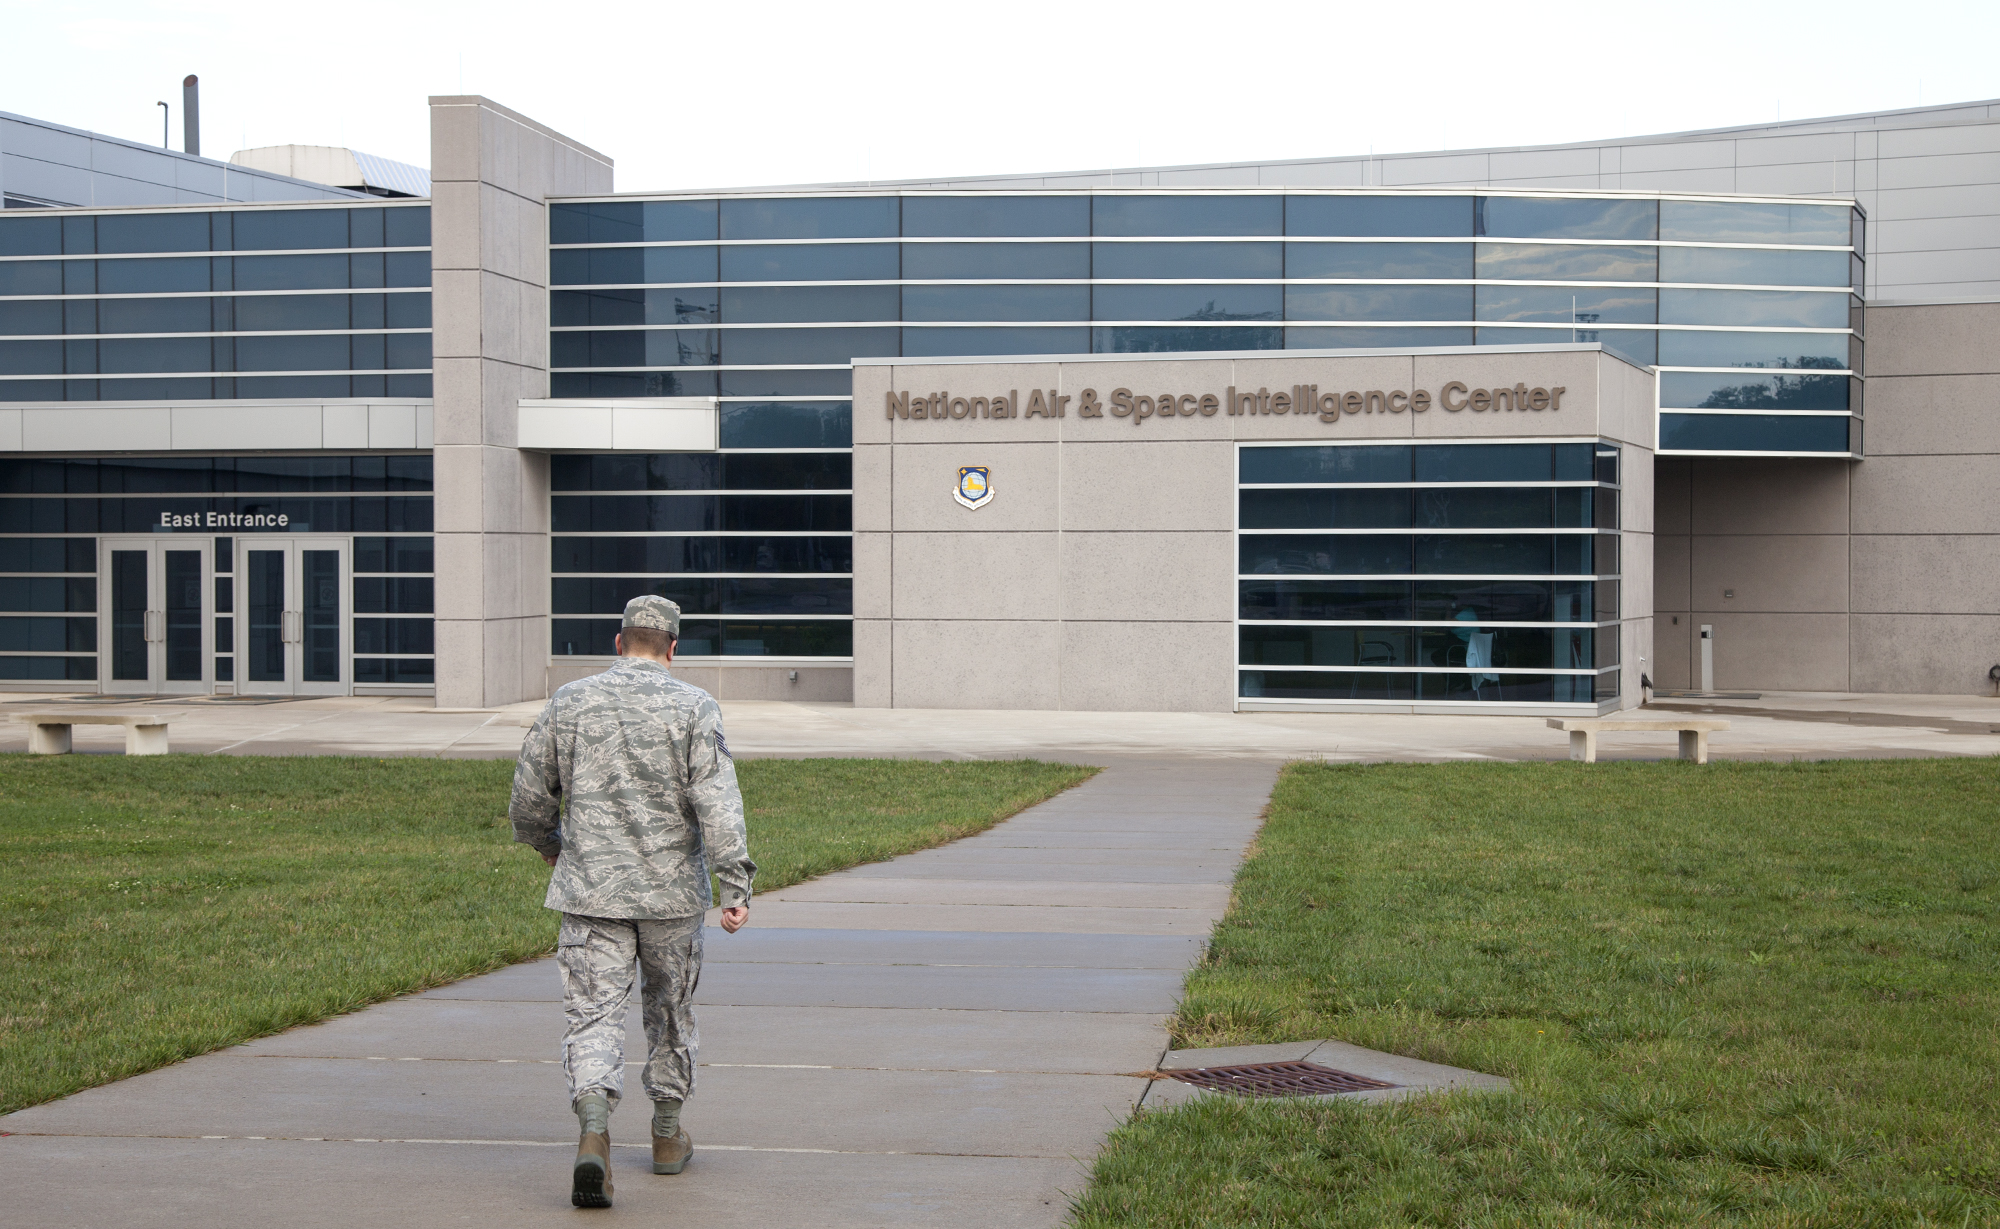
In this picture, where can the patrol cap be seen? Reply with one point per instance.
(650, 610)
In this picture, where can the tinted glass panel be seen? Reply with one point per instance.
(322, 272)
(1187, 303)
(1160, 260)
(626, 266)
(686, 305)
(1540, 262)
(825, 218)
(842, 262)
(153, 232)
(1187, 215)
(996, 260)
(1416, 216)
(1566, 304)
(1753, 432)
(30, 236)
(33, 317)
(1754, 267)
(408, 226)
(1521, 217)
(149, 354)
(1683, 348)
(663, 348)
(833, 553)
(1378, 260)
(788, 425)
(1485, 462)
(259, 230)
(1387, 463)
(1723, 222)
(1324, 599)
(930, 343)
(32, 277)
(322, 353)
(1140, 340)
(785, 304)
(996, 303)
(1323, 553)
(1365, 508)
(259, 313)
(394, 636)
(1374, 339)
(183, 612)
(1378, 302)
(996, 215)
(1795, 308)
(1743, 391)
(392, 554)
(162, 316)
(772, 346)
(1524, 601)
(182, 273)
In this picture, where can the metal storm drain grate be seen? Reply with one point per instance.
(1277, 1079)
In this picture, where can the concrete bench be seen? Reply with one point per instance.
(1583, 732)
(48, 733)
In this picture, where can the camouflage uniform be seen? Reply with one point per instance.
(653, 807)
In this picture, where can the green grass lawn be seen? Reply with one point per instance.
(153, 909)
(1738, 994)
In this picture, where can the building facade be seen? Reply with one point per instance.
(436, 444)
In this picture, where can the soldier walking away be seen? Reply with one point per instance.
(652, 808)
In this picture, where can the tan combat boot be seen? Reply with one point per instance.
(671, 1155)
(590, 1181)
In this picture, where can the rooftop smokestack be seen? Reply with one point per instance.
(191, 114)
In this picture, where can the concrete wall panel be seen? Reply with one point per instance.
(1779, 652)
(1673, 563)
(1929, 654)
(1927, 574)
(1010, 664)
(987, 576)
(1770, 573)
(1921, 495)
(1157, 667)
(1731, 495)
(1933, 414)
(872, 564)
(1148, 577)
(873, 664)
(1026, 485)
(1155, 486)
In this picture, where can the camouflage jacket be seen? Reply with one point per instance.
(651, 790)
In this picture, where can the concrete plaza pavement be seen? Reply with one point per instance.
(1777, 725)
(943, 1038)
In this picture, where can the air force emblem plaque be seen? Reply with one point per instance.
(975, 486)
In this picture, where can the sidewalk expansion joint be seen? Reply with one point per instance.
(508, 1143)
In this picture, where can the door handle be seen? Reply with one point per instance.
(294, 628)
(156, 626)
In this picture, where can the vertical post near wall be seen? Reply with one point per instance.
(491, 174)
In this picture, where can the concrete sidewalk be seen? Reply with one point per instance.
(1794, 725)
(944, 1038)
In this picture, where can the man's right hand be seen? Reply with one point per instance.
(550, 858)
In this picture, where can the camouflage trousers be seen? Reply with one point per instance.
(599, 958)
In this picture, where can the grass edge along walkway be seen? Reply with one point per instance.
(154, 909)
(1733, 994)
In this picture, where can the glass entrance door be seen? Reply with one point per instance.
(156, 594)
(293, 637)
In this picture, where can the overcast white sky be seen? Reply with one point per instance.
(723, 94)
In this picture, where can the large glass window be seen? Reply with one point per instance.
(756, 575)
(1187, 215)
(1767, 308)
(951, 216)
(835, 217)
(1375, 573)
(1379, 261)
(124, 347)
(996, 303)
(1554, 262)
(1175, 260)
(1544, 217)
(1378, 303)
(956, 261)
(1746, 222)
(1754, 266)
(1415, 216)
(1184, 302)
(838, 262)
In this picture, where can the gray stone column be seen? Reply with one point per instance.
(491, 174)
